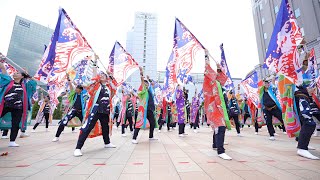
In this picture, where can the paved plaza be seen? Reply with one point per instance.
(169, 158)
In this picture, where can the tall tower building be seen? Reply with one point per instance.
(27, 44)
(265, 13)
(142, 45)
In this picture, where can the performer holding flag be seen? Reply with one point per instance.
(146, 109)
(77, 97)
(215, 107)
(98, 108)
(15, 98)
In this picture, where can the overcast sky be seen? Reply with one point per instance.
(103, 22)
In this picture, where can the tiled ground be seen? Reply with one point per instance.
(171, 157)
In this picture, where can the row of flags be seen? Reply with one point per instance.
(70, 52)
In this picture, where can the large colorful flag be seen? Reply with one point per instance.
(250, 86)
(224, 67)
(282, 56)
(67, 47)
(290, 118)
(10, 69)
(185, 49)
(121, 63)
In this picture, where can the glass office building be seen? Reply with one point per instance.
(27, 44)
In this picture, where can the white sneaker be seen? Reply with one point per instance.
(181, 135)
(316, 133)
(159, 131)
(170, 130)
(33, 131)
(77, 152)
(23, 135)
(13, 144)
(239, 135)
(55, 139)
(123, 135)
(225, 143)
(74, 131)
(4, 137)
(110, 145)
(134, 141)
(271, 138)
(306, 154)
(225, 156)
(284, 132)
(275, 134)
(256, 133)
(195, 131)
(153, 138)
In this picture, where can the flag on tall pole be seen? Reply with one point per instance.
(67, 46)
(224, 67)
(282, 56)
(250, 86)
(185, 48)
(121, 63)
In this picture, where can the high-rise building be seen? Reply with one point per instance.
(27, 44)
(265, 13)
(142, 45)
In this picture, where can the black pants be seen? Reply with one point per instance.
(256, 126)
(16, 115)
(196, 122)
(276, 113)
(181, 128)
(236, 122)
(307, 129)
(188, 116)
(245, 117)
(104, 120)
(130, 124)
(150, 117)
(161, 123)
(218, 139)
(46, 117)
(68, 117)
(116, 116)
(305, 135)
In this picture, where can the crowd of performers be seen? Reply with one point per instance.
(88, 104)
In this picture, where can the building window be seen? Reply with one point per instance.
(144, 58)
(145, 38)
(276, 9)
(302, 31)
(144, 68)
(297, 12)
(262, 21)
(265, 36)
(260, 6)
